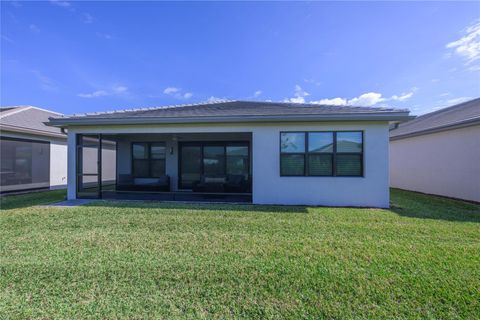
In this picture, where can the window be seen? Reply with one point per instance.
(292, 157)
(332, 153)
(25, 164)
(148, 159)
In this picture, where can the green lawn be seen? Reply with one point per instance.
(136, 260)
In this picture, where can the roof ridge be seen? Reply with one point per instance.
(148, 108)
(442, 110)
(14, 110)
(19, 108)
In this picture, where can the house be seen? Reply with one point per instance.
(259, 152)
(33, 155)
(439, 153)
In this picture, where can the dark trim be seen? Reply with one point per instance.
(307, 153)
(124, 120)
(458, 125)
(24, 140)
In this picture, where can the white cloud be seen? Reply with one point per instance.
(63, 4)
(177, 93)
(257, 93)
(444, 94)
(33, 28)
(87, 18)
(98, 93)
(213, 99)
(333, 102)
(104, 35)
(298, 95)
(366, 99)
(46, 83)
(468, 46)
(171, 90)
(60, 3)
(113, 91)
(402, 97)
(458, 100)
(4, 37)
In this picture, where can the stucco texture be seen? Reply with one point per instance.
(445, 163)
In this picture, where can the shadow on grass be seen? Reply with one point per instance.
(423, 206)
(9, 202)
(238, 207)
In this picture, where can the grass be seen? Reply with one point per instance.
(149, 260)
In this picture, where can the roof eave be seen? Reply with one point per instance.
(457, 125)
(391, 116)
(15, 129)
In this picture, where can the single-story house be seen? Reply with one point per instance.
(439, 153)
(32, 154)
(258, 152)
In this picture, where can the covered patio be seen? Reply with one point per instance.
(213, 167)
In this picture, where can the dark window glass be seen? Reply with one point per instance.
(141, 168)
(349, 142)
(158, 168)
(292, 164)
(237, 160)
(157, 151)
(191, 165)
(349, 164)
(292, 142)
(148, 159)
(24, 164)
(320, 142)
(214, 161)
(140, 151)
(320, 164)
(320, 155)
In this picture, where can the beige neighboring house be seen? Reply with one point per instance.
(32, 155)
(439, 153)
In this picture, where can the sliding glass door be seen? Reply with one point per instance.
(214, 161)
(96, 165)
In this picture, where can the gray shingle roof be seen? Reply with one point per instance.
(454, 116)
(241, 110)
(21, 118)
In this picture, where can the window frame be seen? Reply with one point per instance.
(307, 153)
(149, 158)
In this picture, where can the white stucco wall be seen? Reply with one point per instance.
(445, 163)
(58, 156)
(268, 187)
(58, 164)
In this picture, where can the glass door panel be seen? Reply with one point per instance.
(88, 147)
(190, 165)
(214, 161)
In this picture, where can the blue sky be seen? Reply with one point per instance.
(75, 57)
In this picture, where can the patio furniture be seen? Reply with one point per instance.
(127, 182)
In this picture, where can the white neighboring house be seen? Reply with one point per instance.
(33, 155)
(439, 153)
(258, 152)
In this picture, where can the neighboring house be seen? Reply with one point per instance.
(259, 152)
(439, 153)
(33, 155)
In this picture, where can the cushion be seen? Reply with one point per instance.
(214, 179)
(145, 181)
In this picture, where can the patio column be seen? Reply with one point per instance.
(71, 170)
